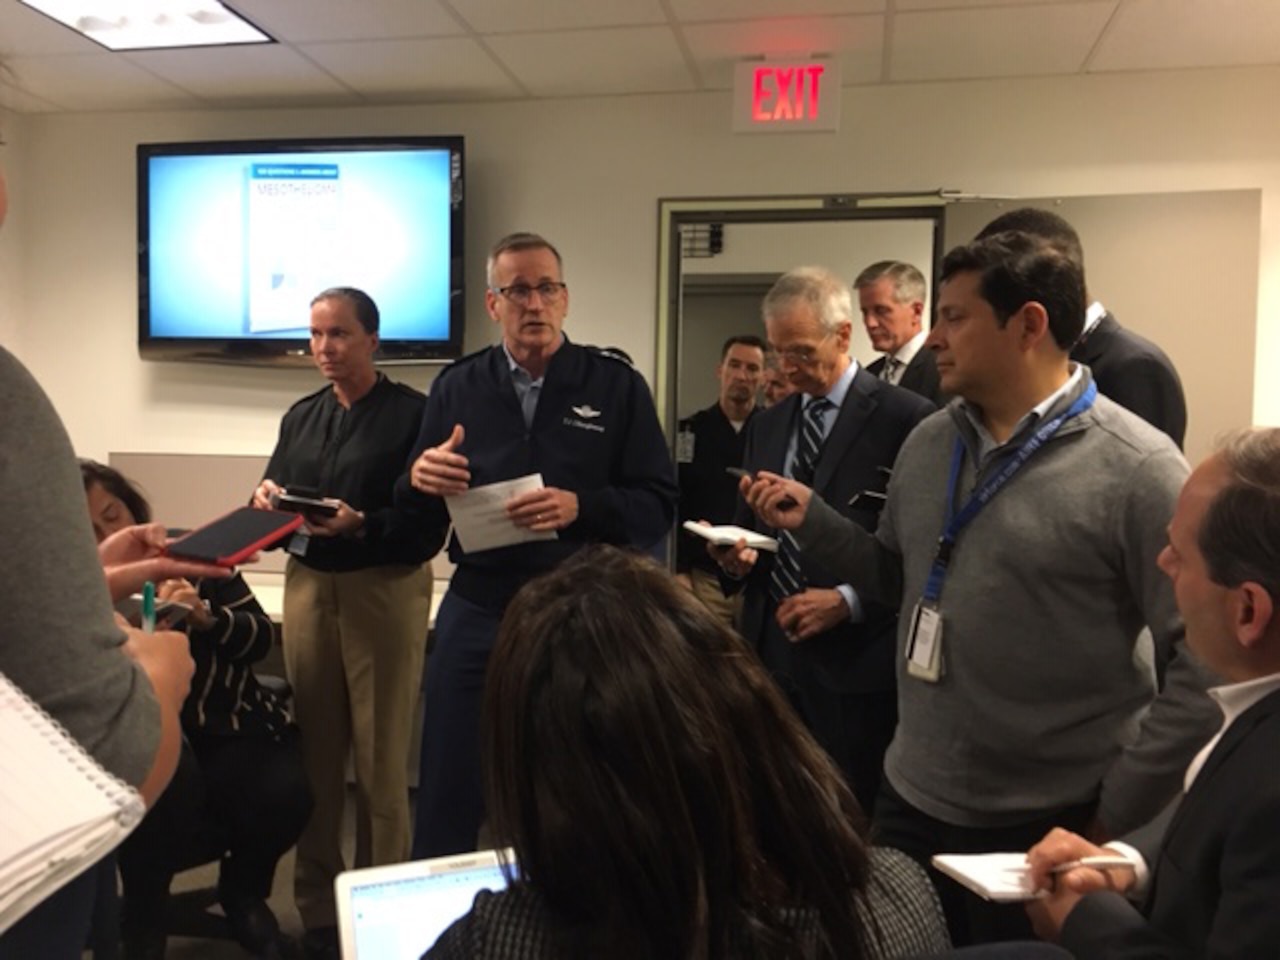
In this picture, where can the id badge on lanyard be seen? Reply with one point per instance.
(924, 641)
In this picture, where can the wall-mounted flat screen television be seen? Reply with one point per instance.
(235, 238)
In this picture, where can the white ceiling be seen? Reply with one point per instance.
(363, 52)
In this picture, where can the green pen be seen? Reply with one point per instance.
(149, 607)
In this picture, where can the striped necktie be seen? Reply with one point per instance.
(889, 372)
(786, 577)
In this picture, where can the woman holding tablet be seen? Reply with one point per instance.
(357, 600)
(240, 778)
(661, 798)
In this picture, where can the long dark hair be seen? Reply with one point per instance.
(118, 485)
(660, 795)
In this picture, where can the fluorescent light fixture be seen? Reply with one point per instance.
(148, 24)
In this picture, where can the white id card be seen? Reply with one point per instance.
(685, 442)
(924, 644)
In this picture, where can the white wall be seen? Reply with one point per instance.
(845, 246)
(588, 173)
(10, 257)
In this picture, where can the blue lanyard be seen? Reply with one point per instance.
(956, 522)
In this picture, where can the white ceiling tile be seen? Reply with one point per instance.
(239, 72)
(970, 4)
(1147, 35)
(395, 51)
(97, 81)
(856, 42)
(21, 101)
(695, 10)
(588, 62)
(1028, 40)
(430, 69)
(515, 16)
(309, 21)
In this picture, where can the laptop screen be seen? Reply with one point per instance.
(398, 912)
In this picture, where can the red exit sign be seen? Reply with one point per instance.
(775, 95)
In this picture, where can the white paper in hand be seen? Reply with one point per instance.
(726, 535)
(480, 518)
(1001, 877)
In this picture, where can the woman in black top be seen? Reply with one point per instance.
(240, 787)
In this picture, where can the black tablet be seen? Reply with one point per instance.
(294, 503)
(240, 534)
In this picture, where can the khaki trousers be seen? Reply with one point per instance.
(353, 649)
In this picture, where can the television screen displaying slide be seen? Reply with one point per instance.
(237, 238)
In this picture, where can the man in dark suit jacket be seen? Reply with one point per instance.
(1133, 372)
(832, 654)
(891, 298)
(1214, 856)
(1129, 369)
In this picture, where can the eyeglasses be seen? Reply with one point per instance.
(548, 291)
(799, 355)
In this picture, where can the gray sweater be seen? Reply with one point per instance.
(58, 639)
(1049, 692)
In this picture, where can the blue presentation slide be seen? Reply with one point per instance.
(240, 244)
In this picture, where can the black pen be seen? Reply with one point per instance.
(786, 503)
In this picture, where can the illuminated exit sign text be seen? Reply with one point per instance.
(772, 95)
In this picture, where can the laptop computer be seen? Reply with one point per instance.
(397, 912)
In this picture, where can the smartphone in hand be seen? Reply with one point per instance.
(786, 503)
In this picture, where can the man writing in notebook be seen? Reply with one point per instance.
(1019, 541)
(1208, 869)
(839, 432)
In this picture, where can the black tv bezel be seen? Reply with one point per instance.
(295, 351)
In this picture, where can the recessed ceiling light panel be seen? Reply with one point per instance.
(150, 24)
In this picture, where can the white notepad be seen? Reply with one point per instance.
(726, 535)
(1002, 877)
(61, 812)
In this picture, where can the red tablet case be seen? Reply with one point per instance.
(231, 539)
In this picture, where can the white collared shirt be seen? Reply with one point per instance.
(1233, 699)
(1092, 317)
(903, 357)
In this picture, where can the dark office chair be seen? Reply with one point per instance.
(197, 913)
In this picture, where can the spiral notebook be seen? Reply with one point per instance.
(61, 812)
